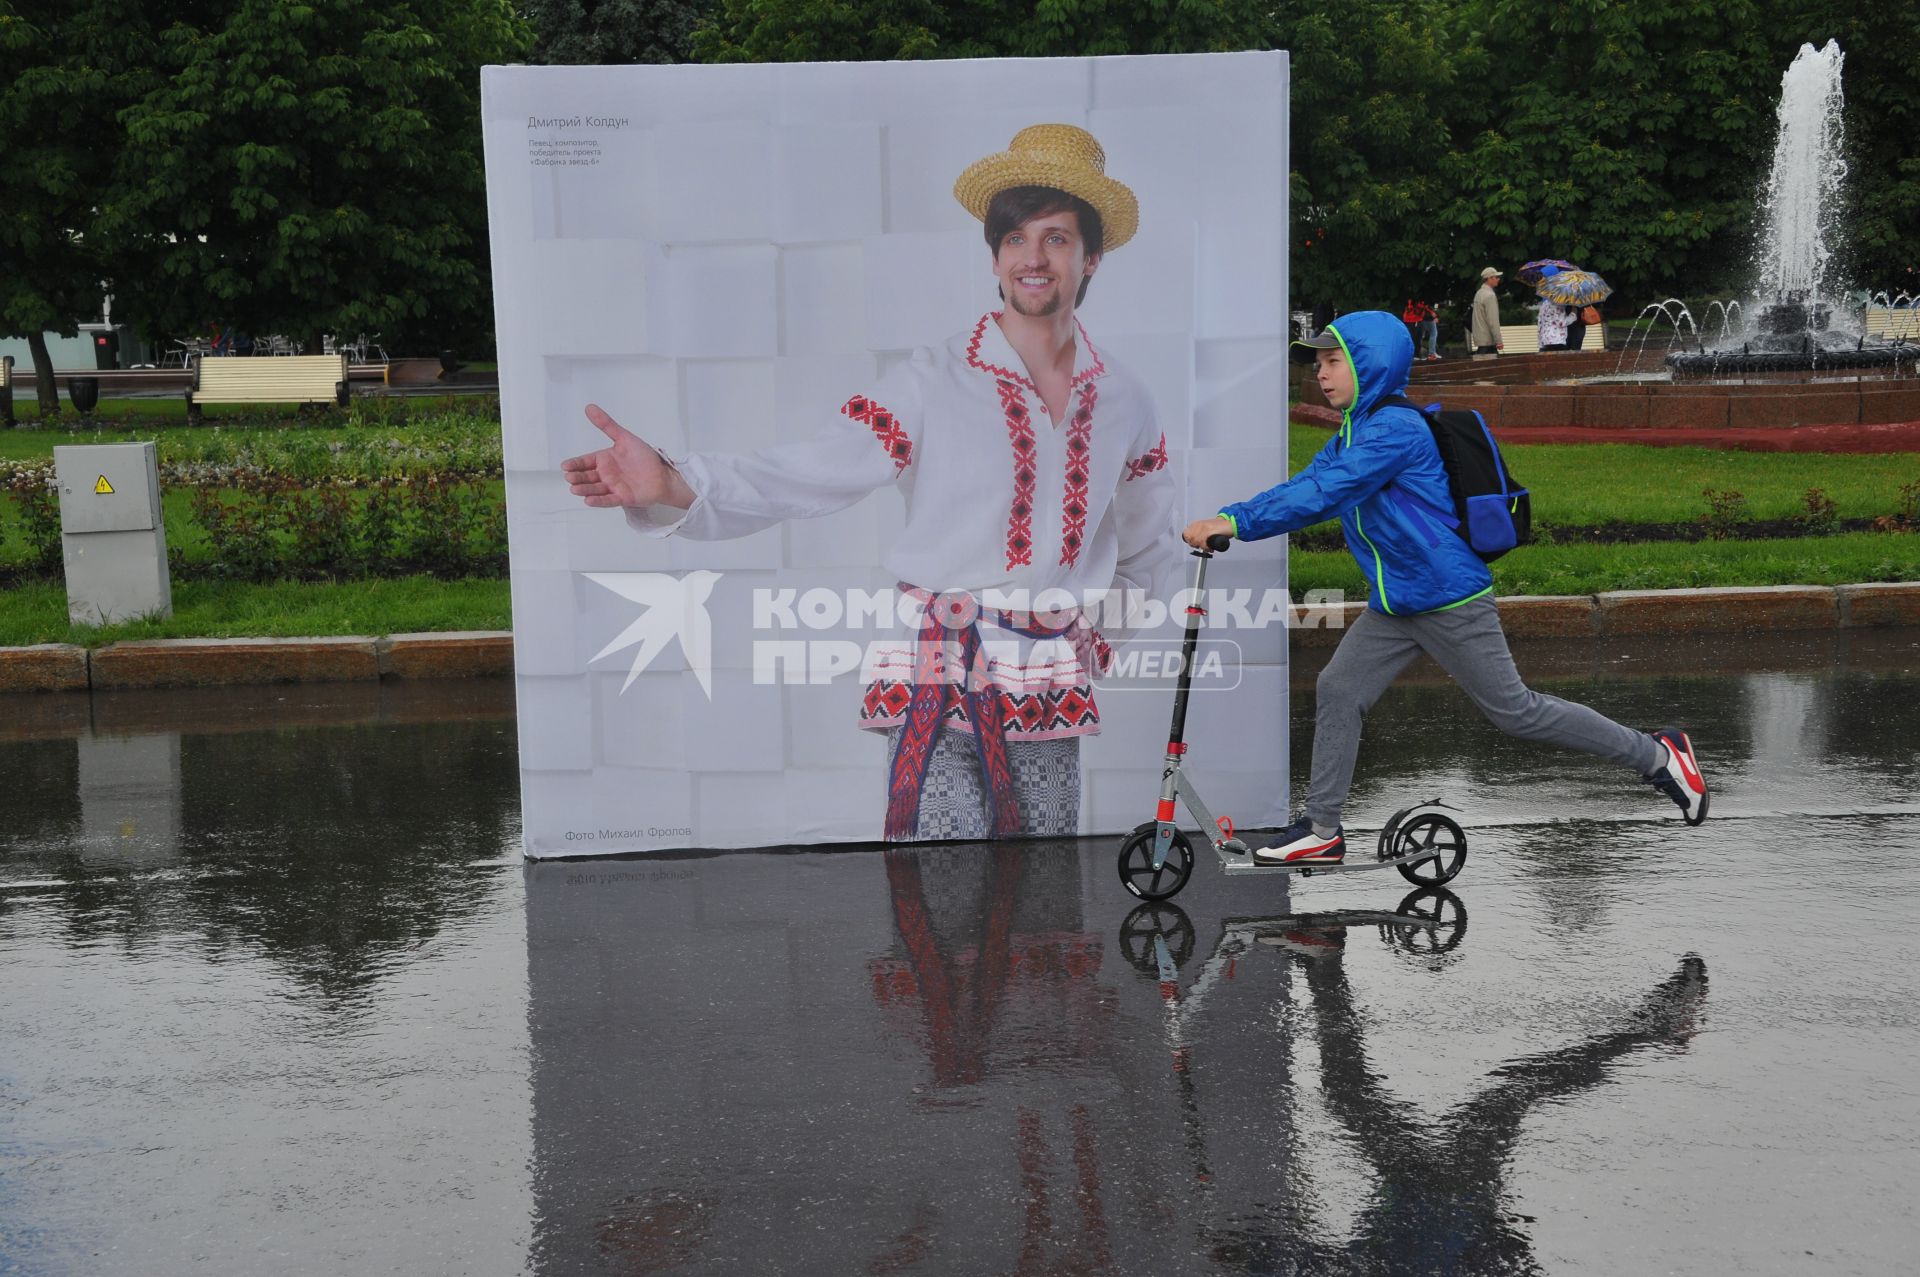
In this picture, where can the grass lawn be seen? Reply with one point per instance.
(220, 609)
(135, 420)
(1597, 483)
(1572, 485)
(1590, 569)
(38, 613)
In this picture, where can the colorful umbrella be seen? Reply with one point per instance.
(1534, 272)
(1574, 288)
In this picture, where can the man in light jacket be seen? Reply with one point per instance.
(1485, 334)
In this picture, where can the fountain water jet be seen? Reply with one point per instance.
(1797, 323)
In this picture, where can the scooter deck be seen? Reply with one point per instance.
(1236, 863)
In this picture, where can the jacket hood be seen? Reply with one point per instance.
(1381, 353)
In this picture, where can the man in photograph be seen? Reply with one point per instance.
(1033, 470)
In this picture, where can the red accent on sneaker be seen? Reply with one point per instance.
(1689, 767)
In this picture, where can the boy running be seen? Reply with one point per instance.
(1427, 591)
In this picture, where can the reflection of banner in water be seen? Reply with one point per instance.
(959, 990)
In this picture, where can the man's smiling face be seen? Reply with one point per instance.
(1041, 262)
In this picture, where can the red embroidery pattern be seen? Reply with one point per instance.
(1024, 713)
(1098, 367)
(1020, 434)
(885, 427)
(1073, 515)
(974, 360)
(1147, 462)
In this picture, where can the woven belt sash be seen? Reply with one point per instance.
(933, 696)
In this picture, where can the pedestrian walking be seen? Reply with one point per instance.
(1483, 336)
(1424, 322)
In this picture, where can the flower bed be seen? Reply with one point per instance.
(290, 505)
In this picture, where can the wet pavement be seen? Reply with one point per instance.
(277, 994)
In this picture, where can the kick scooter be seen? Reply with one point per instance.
(1157, 858)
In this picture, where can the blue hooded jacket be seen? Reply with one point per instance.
(1381, 475)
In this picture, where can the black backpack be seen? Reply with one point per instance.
(1491, 511)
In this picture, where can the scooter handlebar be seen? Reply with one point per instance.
(1219, 542)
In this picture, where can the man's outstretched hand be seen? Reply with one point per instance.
(629, 473)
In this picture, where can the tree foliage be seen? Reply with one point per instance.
(310, 167)
(1372, 80)
(610, 32)
(1624, 137)
(314, 165)
(68, 66)
(867, 30)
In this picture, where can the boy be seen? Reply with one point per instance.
(1427, 591)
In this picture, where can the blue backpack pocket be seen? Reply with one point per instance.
(1494, 521)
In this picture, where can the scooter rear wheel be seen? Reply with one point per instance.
(1430, 831)
(1137, 873)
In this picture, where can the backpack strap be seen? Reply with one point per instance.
(1399, 495)
(1401, 401)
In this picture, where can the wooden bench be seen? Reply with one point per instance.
(1893, 322)
(6, 389)
(1524, 339)
(288, 379)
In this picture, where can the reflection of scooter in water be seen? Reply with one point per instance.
(1157, 939)
(1156, 859)
(1438, 1203)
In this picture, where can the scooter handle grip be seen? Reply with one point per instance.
(1219, 542)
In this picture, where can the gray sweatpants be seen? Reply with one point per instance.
(1469, 644)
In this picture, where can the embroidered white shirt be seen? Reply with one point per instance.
(1000, 500)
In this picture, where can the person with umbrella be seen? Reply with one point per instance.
(1564, 289)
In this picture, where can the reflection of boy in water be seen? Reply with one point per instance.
(1440, 1205)
(1034, 471)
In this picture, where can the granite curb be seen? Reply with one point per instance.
(159, 663)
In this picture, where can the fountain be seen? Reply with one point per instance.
(1802, 365)
(1798, 323)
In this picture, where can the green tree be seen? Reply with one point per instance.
(1624, 137)
(872, 30)
(303, 168)
(1372, 83)
(68, 70)
(614, 32)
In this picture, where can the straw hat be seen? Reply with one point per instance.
(1062, 156)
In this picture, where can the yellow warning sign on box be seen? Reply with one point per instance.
(102, 488)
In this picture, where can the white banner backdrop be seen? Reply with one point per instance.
(763, 272)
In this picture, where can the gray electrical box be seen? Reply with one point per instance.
(111, 533)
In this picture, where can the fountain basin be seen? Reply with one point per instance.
(1593, 399)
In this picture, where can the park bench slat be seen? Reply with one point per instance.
(1524, 339)
(286, 379)
(1890, 322)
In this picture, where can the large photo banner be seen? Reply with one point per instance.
(851, 415)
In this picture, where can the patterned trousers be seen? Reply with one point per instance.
(1046, 781)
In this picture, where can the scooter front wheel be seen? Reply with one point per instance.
(1137, 873)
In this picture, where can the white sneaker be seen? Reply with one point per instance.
(1297, 844)
(1679, 776)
